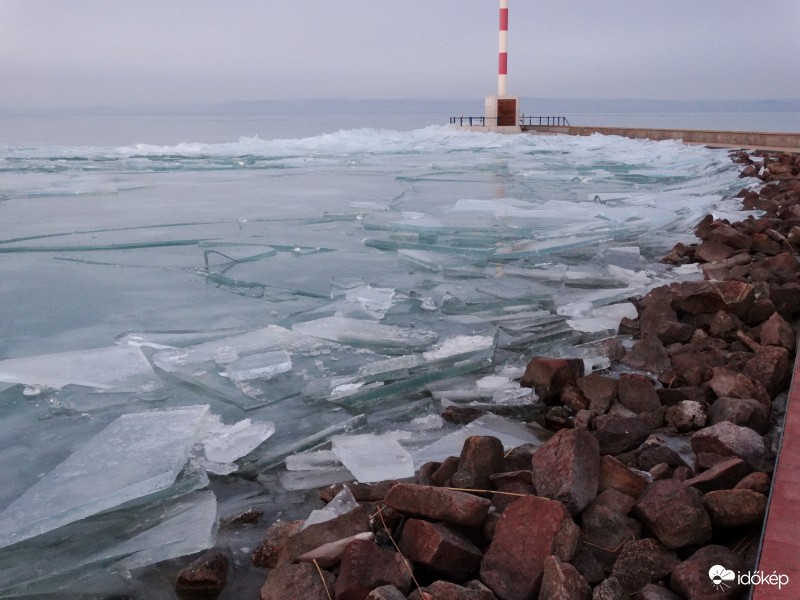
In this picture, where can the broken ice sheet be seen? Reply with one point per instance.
(136, 455)
(117, 368)
(360, 332)
(109, 542)
(373, 458)
(259, 366)
(223, 444)
(341, 504)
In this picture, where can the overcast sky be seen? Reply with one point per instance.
(57, 53)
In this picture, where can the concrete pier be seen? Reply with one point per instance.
(756, 140)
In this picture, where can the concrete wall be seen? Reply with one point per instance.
(722, 139)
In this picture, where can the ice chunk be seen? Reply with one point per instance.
(341, 504)
(459, 345)
(116, 541)
(117, 368)
(309, 480)
(359, 332)
(227, 443)
(427, 423)
(311, 461)
(136, 455)
(259, 366)
(510, 433)
(373, 458)
(373, 299)
(226, 350)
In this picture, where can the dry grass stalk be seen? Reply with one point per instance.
(325, 585)
(396, 547)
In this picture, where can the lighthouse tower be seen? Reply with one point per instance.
(502, 110)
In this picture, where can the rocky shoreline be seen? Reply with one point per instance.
(658, 469)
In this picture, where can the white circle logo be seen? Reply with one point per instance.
(719, 576)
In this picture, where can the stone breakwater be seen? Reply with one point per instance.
(659, 468)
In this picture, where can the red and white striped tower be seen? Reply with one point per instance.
(502, 71)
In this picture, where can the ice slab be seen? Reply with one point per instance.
(341, 504)
(510, 433)
(259, 366)
(117, 368)
(373, 458)
(109, 543)
(313, 461)
(227, 443)
(360, 332)
(136, 455)
(310, 480)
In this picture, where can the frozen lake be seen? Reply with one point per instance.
(352, 282)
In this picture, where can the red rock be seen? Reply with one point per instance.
(314, 536)
(362, 492)
(713, 251)
(727, 383)
(600, 390)
(772, 367)
(366, 566)
(567, 468)
(439, 548)
(637, 393)
(527, 533)
(786, 298)
(445, 590)
(722, 476)
(642, 562)
(562, 581)
(574, 399)
(616, 435)
(655, 592)
(697, 297)
(727, 439)
(615, 475)
(674, 513)
(758, 482)
(441, 477)
(661, 320)
(481, 457)
(588, 566)
(692, 578)
(648, 354)
(297, 581)
(519, 458)
(776, 331)
(386, 592)
(741, 411)
(328, 555)
(687, 415)
(606, 530)
(615, 500)
(725, 234)
(267, 552)
(459, 508)
(609, 589)
(548, 376)
(735, 508)
(209, 573)
(655, 451)
(515, 482)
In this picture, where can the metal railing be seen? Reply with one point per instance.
(524, 120)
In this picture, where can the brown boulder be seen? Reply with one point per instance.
(741, 411)
(735, 508)
(442, 476)
(458, 508)
(526, 534)
(648, 354)
(758, 482)
(637, 393)
(724, 233)
(661, 320)
(655, 592)
(722, 476)
(642, 562)
(548, 376)
(519, 458)
(366, 566)
(606, 530)
(693, 577)
(727, 439)
(616, 435)
(481, 457)
(713, 251)
(776, 331)
(362, 492)
(207, 574)
(267, 552)
(687, 415)
(562, 581)
(445, 590)
(610, 589)
(674, 513)
(727, 383)
(600, 390)
(440, 549)
(772, 367)
(319, 534)
(615, 475)
(297, 581)
(567, 468)
(386, 592)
